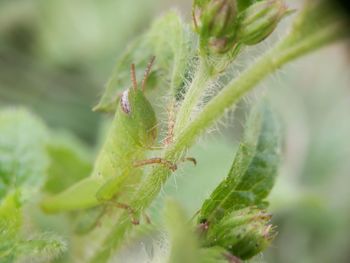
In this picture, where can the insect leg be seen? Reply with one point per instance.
(172, 166)
(190, 159)
(129, 209)
(147, 218)
(168, 164)
(154, 147)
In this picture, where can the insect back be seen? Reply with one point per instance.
(134, 130)
(137, 117)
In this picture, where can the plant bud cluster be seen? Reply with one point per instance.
(221, 25)
(244, 233)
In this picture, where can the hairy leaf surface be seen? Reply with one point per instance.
(69, 163)
(23, 158)
(253, 171)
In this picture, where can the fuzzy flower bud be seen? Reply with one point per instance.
(215, 22)
(217, 255)
(259, 20)
(244, 233)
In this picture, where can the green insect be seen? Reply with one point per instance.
(133, 132)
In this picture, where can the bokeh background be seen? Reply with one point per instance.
(55, 57)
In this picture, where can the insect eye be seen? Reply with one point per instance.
(124, 102)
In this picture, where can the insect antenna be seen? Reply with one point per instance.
(146, 74)
(133, 77)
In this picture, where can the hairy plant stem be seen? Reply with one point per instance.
(207, 71)
(193, 95)
(285, 51)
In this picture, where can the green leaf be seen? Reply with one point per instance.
(23, 164)
(168, 41)
(183, 242)
(40, 248)
(15, 248)
(253, 171)
(138, 52)
(69, 163)
(23, 158)
(10, 223)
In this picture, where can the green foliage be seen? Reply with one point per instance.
(133, 131)
(137, 52)
(168, 39)
(41, 248)
(183, 242)
(171, 39)
(244, 233)
(232, 223)
(23, 161)
(14, 247)
(253, 171)
(10, 223)
(23, 171)
(192, 119)
(230, 217)
(69, 163)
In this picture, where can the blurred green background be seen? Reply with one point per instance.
(56, 55)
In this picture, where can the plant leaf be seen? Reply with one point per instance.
(40, 248)
(10, 224)
(167, 39)
(253, 171)
(69, 163)
(184, 247)
(138, 52)
(15, 248)
(23, 158)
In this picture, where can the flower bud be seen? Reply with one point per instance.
(217, 255)
(259, 20)
(244, 233)
(215, 22)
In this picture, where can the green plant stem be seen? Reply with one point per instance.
(238, 87)
(205, 73)
(285, 51)
(193, 95)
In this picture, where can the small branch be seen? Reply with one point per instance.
(193, 95)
